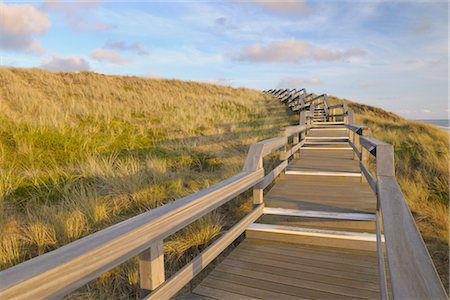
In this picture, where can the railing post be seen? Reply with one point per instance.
(151, 268)
(385, 160)
(364, 157)
(253, 163)
(303, 119)
(258, 196)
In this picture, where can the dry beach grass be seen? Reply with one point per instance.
(79, 152)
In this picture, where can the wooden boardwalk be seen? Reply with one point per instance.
(322, 227)
(307, 244)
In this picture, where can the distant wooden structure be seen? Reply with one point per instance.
(326, 228)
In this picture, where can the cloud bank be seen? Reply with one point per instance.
(19, 25)
(293, 51)
(70, 63)
(120, 45)
(109, 56)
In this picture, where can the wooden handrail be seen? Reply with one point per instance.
(63, 270)
(412, 272)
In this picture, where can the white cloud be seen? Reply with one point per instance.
(426, 110)
(69, 63)
(19, 24)
(74, 14)
(109, 56)
(292, 82)
(120, 45)
(286, 6)
(293, 50)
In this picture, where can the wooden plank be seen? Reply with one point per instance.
(362, 259)
(294, 231)
(245, 290)
(320, 223)
(273, 283)
(412, 272)
(326, 148)
(309, 137)
(220, 294)
(182, 277)
(313, 289)
(61, 271)
(303, 235)
(307, 268)
(372, 271)
(193, 297)
(318, 214)
(301, 274)
(322, 173)
(326, 143)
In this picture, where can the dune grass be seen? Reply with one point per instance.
(422, 171)
(79, 152)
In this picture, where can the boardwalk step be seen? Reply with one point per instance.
(313, 236)
(329, 128)
(318, 214)
(326, 148)
(331, 123)
(322, 173)
(326, 143)
(330, 138)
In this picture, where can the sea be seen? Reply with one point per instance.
(443, 123)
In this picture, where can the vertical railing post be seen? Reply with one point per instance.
(364, 156)
(151, 268)
(258, 196)
(254, 162)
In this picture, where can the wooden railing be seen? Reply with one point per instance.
(411, 270)
(62, 271)
(403, 255)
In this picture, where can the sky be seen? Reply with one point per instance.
(390, 54)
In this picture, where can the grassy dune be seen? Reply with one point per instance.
(422, 171)
(79, 152)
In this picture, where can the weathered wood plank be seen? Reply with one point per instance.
(220, 294)
(246, 290)
(313, 289)
(318, 214)
(319, 237)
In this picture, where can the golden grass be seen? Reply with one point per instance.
(79, 152)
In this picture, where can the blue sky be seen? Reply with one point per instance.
(391, 54)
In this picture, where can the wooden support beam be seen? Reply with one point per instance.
(151, 268)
